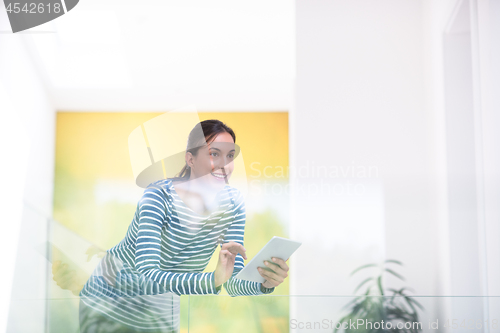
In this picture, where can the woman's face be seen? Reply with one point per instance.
(213, 164)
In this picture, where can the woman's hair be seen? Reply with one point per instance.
(199, 138)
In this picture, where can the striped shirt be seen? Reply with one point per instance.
(163, 255)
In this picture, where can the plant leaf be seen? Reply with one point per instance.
(379, 282)
(362, 267)
(415, 302)
(410, 304)
(401, 291)
(394, 273)
(351, 302)
(362, 283)
(394, 261)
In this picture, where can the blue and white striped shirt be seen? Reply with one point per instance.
(165, 250)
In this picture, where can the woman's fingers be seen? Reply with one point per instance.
(224, 254)
(281, 263)
(273, 275)
(227, 256)
(276, 268)
(93, 250)
(67, 279)
(59, 270)
(90, 252)
(235, 248)
(69, 275)
(56, 266)
(62, 275)
(279, 271)
(225, 266)
(272, 278)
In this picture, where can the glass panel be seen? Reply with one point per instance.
(314, 314)
(326, 313)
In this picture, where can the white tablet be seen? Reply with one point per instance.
(278, 247)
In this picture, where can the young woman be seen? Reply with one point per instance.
(176, 228)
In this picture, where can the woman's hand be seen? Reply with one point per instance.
(67, 278)
(277, 275)
(227, 257)
(93, 250)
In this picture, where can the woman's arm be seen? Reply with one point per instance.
(237, 287)
(152, 210)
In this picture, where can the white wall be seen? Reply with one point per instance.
(361, 96)
(488, 13)
(27, 170)
(436, 17)
(370, 88)
(163, 55)
(463, 58)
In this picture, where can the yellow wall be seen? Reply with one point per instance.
(92, 147)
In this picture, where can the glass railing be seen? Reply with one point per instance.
(281, 313)
(326, 313)
(42, 303)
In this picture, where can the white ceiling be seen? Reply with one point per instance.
(108, 55)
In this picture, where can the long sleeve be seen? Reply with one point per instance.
(233, 286)
(152, 210)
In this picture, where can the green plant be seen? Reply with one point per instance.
(376, 306)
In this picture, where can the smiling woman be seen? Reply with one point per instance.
(209, 164)
(178, 224)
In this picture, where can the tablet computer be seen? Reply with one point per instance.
(278, 247)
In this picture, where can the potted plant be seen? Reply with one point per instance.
(376, 305)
